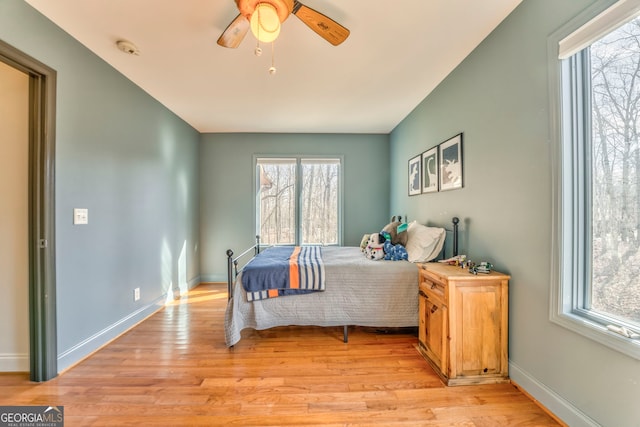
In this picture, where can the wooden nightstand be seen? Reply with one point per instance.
(463, 324)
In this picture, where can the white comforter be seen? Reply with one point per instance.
(358, 292)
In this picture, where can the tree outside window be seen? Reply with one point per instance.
(615, 174)
(298, 200)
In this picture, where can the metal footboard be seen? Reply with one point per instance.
(232, 265)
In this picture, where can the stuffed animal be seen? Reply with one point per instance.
(375, 247)
(394, 252)
(379, 247)
(397, 230)
(364, 242)
(374, 254)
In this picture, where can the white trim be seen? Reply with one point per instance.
(551, 400)
(214, 278)
(14, 362)
(615, 16)
(597, 332)
(95, 342)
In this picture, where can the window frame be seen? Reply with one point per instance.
(298, 161)
(569, 85)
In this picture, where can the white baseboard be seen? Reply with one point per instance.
(181, 290)
(20, 362)
(87, 347)
(90, 345)
(207, 278)
(14, 362)
(560, 407)
(194, 282)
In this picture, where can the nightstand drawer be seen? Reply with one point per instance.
(432, 287)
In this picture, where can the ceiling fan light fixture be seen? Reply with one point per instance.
(265, 23)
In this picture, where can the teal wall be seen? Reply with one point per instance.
(499, 98)
(134, 165)
(226, 173)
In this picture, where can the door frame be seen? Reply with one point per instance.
(43, 352)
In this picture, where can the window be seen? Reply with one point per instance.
(298, 201)
(615, 175)
(597, 223)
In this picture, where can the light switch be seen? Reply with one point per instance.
(80, 216)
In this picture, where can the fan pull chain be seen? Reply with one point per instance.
(272, 70)
(258, 50)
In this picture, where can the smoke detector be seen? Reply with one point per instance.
(128, 47)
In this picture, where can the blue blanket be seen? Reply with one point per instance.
(284, 270)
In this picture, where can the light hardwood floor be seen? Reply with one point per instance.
(175, 370)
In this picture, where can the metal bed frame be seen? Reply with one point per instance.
(232, 262)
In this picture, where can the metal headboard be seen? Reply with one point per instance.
(455, 222)
(453, 231)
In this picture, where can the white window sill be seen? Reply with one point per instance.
(599, 333)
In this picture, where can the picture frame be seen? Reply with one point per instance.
(451, 167)
(430, 169)
(414, 175)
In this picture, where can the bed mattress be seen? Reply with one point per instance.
(359, 292)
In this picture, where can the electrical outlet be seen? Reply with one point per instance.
(136, 294)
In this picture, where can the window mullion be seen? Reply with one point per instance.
(299, 201)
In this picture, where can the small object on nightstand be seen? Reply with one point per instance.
(457, 260)
(484, 267)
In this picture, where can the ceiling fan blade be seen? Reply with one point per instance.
(325, 27)
(234, 33)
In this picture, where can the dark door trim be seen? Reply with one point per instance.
(42, 277)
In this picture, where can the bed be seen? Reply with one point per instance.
(356, 291)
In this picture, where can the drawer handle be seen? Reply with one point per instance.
(433, 286)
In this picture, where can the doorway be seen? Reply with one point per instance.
(14, 215)
(40, 210)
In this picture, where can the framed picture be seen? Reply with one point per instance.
(451, 163)
(430, 170)
(415, 185)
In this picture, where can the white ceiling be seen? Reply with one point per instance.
(397, 53)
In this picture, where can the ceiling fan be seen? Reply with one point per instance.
(255, 14)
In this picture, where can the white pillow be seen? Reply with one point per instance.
(424, 243)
